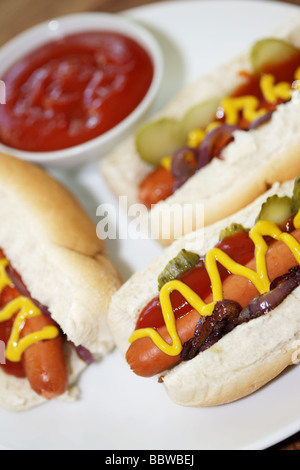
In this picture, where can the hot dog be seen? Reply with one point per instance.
(230, 341)
(224, 139)
(56, 282)
(44, 362)
(143, 354)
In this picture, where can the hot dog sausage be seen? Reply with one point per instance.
(146, 360)
(156, 187)
(44, 362)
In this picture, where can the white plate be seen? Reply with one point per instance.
(119, 410)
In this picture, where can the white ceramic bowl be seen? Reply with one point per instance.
(55, 29)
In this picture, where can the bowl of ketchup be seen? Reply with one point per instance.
(75, 87)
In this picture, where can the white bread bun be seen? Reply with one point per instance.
(52, 243)
(243, 360)
(249, 165)
(17, 395)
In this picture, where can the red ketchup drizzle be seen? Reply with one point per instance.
(8, 294)
(239, 247)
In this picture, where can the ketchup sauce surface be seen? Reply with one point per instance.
(72, 90)
(239, 247)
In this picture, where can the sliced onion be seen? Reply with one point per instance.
(212, 145)
(261, 120)
(217, 138)
(187, 160)
(265, 303)
(85, 355)
(22, 289)
(184, 165)
(227, 315)
(211, 329)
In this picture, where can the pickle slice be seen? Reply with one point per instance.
(232, 230)
(184, 261)
(296, 196)
(157, 139)
(199, 117)
(276, 209)
(270, 51)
